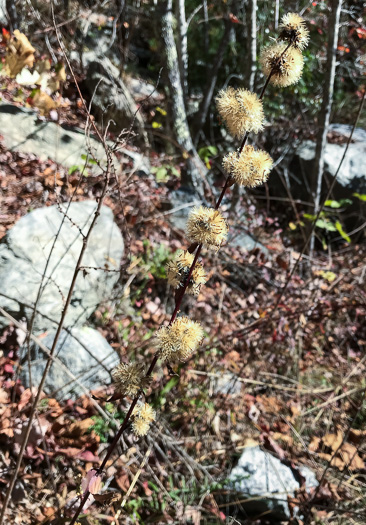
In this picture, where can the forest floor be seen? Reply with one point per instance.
(299, 357)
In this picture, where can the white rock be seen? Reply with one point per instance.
(266, 482)
(23, 257)
(85, 352)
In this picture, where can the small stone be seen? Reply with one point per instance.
(266, 482)
(84, 352)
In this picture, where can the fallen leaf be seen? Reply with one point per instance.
(19, 54)
(4, 397)
(333, 441)
(79, 428)
(314, 445)
(356, 435)
(43, 102)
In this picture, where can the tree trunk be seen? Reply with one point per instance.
(252, 43)
(182, 25)
(210, 86)
(12, 14)
(195, 169)
(277, 13)
(206, 37)
(324, 115)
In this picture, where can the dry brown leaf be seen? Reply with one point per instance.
(283, 437)
(6, 428)
(19, 54)
(4, 397)
(356, 435)
(43, 102)
(123, 481)
(24, 399)
(346, 457)
(79, 428)
(61, 73)
(333, 441)
(350, 457)
(314, 445)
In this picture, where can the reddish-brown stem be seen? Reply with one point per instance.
(178, 303)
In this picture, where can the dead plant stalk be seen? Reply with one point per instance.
(194, 247)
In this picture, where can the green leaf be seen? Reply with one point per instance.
(325, 225)
(161, 175)
(161, 111)
(332, 204)
(72, 169)
(207, 152)
(346, 237)
(212, 150)
(309, 216)
(360, 196)
(345, 202)
(169, 386)
(174, 171)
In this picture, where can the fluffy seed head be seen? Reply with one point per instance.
(287, 67)
(130, 378)
(180, 340)
(206, 226)
(140, 427)
(294, 31)
(241, 110)
(250, 167)
(144, 411)
(178, 270)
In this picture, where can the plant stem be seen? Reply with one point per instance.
(178, 303)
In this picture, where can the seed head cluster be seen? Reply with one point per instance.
(207, 226)
(249, 168)
(286, 66)
(294, 31)
(130, 378)
(143, 415)
(178, 270)
(180, 340)
(241, 110)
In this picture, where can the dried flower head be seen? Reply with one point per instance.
(294, 31)
(250, 167)
(241, 110)
(286, 66)
(144, 411)
(206, 226)
(130, 378)
(178, 270)
(179, 341)
(143, 415)
(140, 427)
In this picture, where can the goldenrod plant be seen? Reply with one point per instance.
(242, 112)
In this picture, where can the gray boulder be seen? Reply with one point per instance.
(112, 102)
(352, 174)
(266, 483)
(23, 131)
(84, 352)
(24, 252)
(3, 13)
